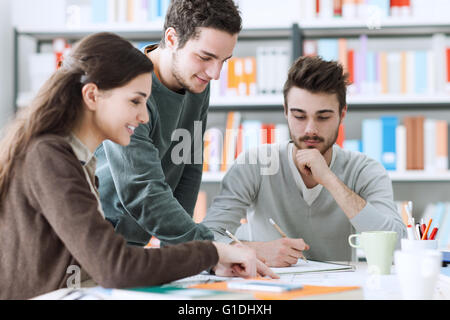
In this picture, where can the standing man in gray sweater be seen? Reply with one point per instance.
(316, 192)
(149, 188)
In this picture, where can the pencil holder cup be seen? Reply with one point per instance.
(378, 247)
(416, 245)
(418, 272)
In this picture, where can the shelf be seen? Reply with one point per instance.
(139, 32)
(340, 27)
(129, 31)
(420, 176)
(275, 102)
(408, 176)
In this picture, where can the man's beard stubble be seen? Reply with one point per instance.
(326, 147)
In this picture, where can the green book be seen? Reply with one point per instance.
(177, 293)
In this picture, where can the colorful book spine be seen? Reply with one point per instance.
(388, 153)
(372, 138)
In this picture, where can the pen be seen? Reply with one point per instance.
(232, 237)
(419, 234)
(433, 233)
(283, 235)
(424, 236)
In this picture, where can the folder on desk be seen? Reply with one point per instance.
(307, 292)
(313, 267)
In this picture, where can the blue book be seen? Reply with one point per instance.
(99, 11)
(352, 145)
(382, 6)
(438, 219)
(328, 49)
(164, 6)
(443, 234)
(153, 9)
(388, 152)
(372, 138)
(251, 131)
(420, 70)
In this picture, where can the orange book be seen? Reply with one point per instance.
(239, 142)
(307, 292)
(383, 73)
(420, 143)
(200, 207)
(227, 141)
(249, 75)
(442, 144)
(341, 136)
(130, 10)
(232, 79)
(342, 45)
(206, 151)
(403, 72)
(410, 142)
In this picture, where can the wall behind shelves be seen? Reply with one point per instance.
(6, 66)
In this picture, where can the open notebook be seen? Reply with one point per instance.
(313, 266)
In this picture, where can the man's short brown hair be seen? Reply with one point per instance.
(316, 75)
(185, 16)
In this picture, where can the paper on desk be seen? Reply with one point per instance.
(312, 266)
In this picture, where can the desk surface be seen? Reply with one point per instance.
(375, 287)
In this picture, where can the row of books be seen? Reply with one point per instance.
(250, 76)
(222, 148)
(128, 11)
(43, 64)
(388, 72)
(363, 9)
(416, 144)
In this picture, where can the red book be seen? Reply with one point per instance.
(337, 8)
(267, 133)
(351, 66)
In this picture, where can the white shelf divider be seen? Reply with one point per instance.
(407, 176)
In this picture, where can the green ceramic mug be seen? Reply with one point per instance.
(379, 248)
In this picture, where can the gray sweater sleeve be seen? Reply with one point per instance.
(238, 190)
(380, 213)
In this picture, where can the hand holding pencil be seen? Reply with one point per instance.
(284, 236)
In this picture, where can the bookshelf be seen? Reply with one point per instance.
(397, 177)
(437, 105)
(424, 187)
(150, 32)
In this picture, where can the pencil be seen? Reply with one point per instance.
(424, 236)
(232, 237)
(283, 234)
(278, 228)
